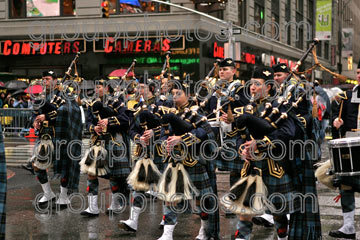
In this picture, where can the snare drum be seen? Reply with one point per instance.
(345, 156)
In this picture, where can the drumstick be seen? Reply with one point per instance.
(355, 130)
(340, 111)
(339, 117)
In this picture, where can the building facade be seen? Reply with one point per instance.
(37, 36)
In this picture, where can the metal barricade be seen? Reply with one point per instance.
(14, 120)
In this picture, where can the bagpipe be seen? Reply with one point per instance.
(175, 184)
(145, 173)
(247, 196)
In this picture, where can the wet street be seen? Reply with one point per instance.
(24, 222)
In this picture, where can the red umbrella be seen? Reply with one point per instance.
(35, 89)
(120, 73)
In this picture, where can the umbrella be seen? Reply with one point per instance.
(120, 73)
(15, 84)
(87, 84)
(35, 89)
(18, 92)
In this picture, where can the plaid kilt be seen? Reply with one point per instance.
(199, 178)
(283, 187)
(230, 164)
(306, 224)
(3, 183)
(68, 129)
(118, 146)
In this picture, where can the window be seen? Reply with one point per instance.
(300, 6)
(275, 7)
(41, 8)
(318, 49)
(300, 18)
(310, 10)
(259, 15)
(300, 41)
(288, 19)
(326, 49)
(242, 12)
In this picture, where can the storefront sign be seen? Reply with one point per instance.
(218, 51)
(123, 46)
(28, 47)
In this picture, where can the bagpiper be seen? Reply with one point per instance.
(144, 130)
(58, 120)
(185, 177)
(108, 121)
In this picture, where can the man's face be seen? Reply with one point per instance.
(258, 88)
(143, 90)
(50, 83)
(227, 73)
(358, 75)
(179, 97)
(99, 90)
(279, 77)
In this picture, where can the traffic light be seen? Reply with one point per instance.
(105, 8)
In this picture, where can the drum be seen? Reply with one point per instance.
(345, 156)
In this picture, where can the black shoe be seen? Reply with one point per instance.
(125, 227)
(47, 204)
(28, 166)
(87, 214)
(338, 234)
(262, 222)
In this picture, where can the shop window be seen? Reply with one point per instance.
(41, 8)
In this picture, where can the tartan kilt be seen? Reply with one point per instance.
(158, 160)
(231, 164)
(199, 178)
(353, 181)
(283, 187)
(118, 157)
